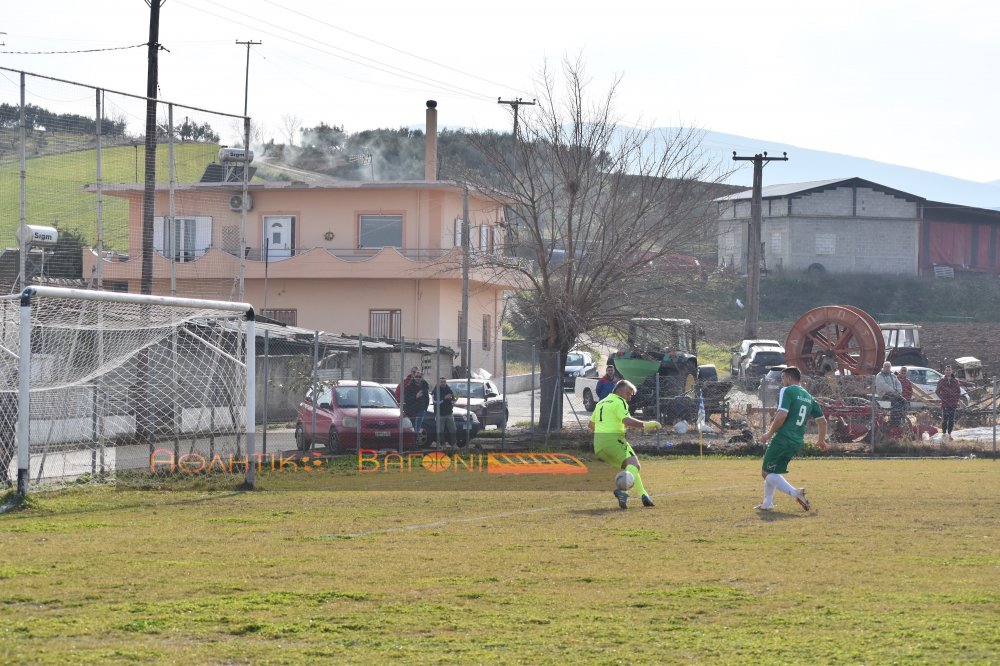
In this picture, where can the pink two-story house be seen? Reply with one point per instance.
(379, 258)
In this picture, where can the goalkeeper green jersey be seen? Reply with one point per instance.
(609, 415)
(800, 406)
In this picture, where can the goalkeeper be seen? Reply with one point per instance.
(608, 423)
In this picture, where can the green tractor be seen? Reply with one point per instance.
(658, 351)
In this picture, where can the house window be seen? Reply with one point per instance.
(288, 317)
(826, 244)
(385, 324)
(458, 232)
(380, 231)
(487, 332)
(183, 238)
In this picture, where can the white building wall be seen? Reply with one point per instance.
(886, 246)
(822, 229)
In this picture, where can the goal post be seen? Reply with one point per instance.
(101, 383)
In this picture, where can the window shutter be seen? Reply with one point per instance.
(158, 235)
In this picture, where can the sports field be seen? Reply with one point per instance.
(899, 562)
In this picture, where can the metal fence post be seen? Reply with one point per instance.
(437, 411)
(402, 378)
(503, 356)
(532, 426)
(267, 378)
(874, 407)
(994, 418)
(315, 382)
(361, 348)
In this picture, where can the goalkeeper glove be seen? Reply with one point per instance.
(651, 425)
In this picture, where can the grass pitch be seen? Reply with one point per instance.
(899, 562)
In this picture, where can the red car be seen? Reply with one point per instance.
(335, 411)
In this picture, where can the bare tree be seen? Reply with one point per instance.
(591, 206)
(290, 126)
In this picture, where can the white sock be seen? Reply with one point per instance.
(781, 484)
(768, 491)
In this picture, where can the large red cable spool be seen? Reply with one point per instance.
(835, 337)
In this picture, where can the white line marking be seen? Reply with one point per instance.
(510, 514)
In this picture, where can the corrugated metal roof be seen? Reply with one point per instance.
(784, 189)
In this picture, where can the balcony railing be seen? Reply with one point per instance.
(346, 254)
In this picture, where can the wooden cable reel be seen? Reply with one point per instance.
(835, 337)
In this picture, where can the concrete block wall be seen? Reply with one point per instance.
(841, 203)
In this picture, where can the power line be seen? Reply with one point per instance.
(111, 48)
(384, 45)
(422, 79)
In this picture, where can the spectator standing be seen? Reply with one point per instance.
(406, 380)
(888, 387)
(950, 392)
(444, 407)
(416, 398)
(905, 383)
(606, 384)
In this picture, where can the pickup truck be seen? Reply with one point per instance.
(743, 351)
(585, 392)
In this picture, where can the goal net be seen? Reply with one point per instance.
(95, 384)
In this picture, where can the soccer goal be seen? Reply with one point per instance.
(94, 384)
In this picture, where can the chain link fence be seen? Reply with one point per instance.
(697, 414)
(76, 165)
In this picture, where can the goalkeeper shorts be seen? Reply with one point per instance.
(612, 448)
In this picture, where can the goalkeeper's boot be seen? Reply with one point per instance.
(622, 498)
(803, 501)
(647, 501)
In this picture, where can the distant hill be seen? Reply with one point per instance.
(56, 181)
(807, 165)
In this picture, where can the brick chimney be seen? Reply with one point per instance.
(431, 142)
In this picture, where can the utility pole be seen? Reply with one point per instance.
(754, 242)
(246, 83)
(515, 104)
(149, 191)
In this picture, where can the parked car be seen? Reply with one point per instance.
(483, 398)
(335, 406)
(578, 364)
(761, 358)
(926, 379)
(744, 350)
(467, 426)
(770, 385)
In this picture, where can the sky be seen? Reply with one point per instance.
(910, 83)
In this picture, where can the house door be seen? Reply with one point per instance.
(279, 237)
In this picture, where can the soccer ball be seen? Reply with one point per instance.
(624, 480)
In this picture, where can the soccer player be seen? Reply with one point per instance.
(786, 436)
(608, 423)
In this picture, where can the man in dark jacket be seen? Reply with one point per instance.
(950, 392)
(444, 406)
(416, 397)
(606, 384)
